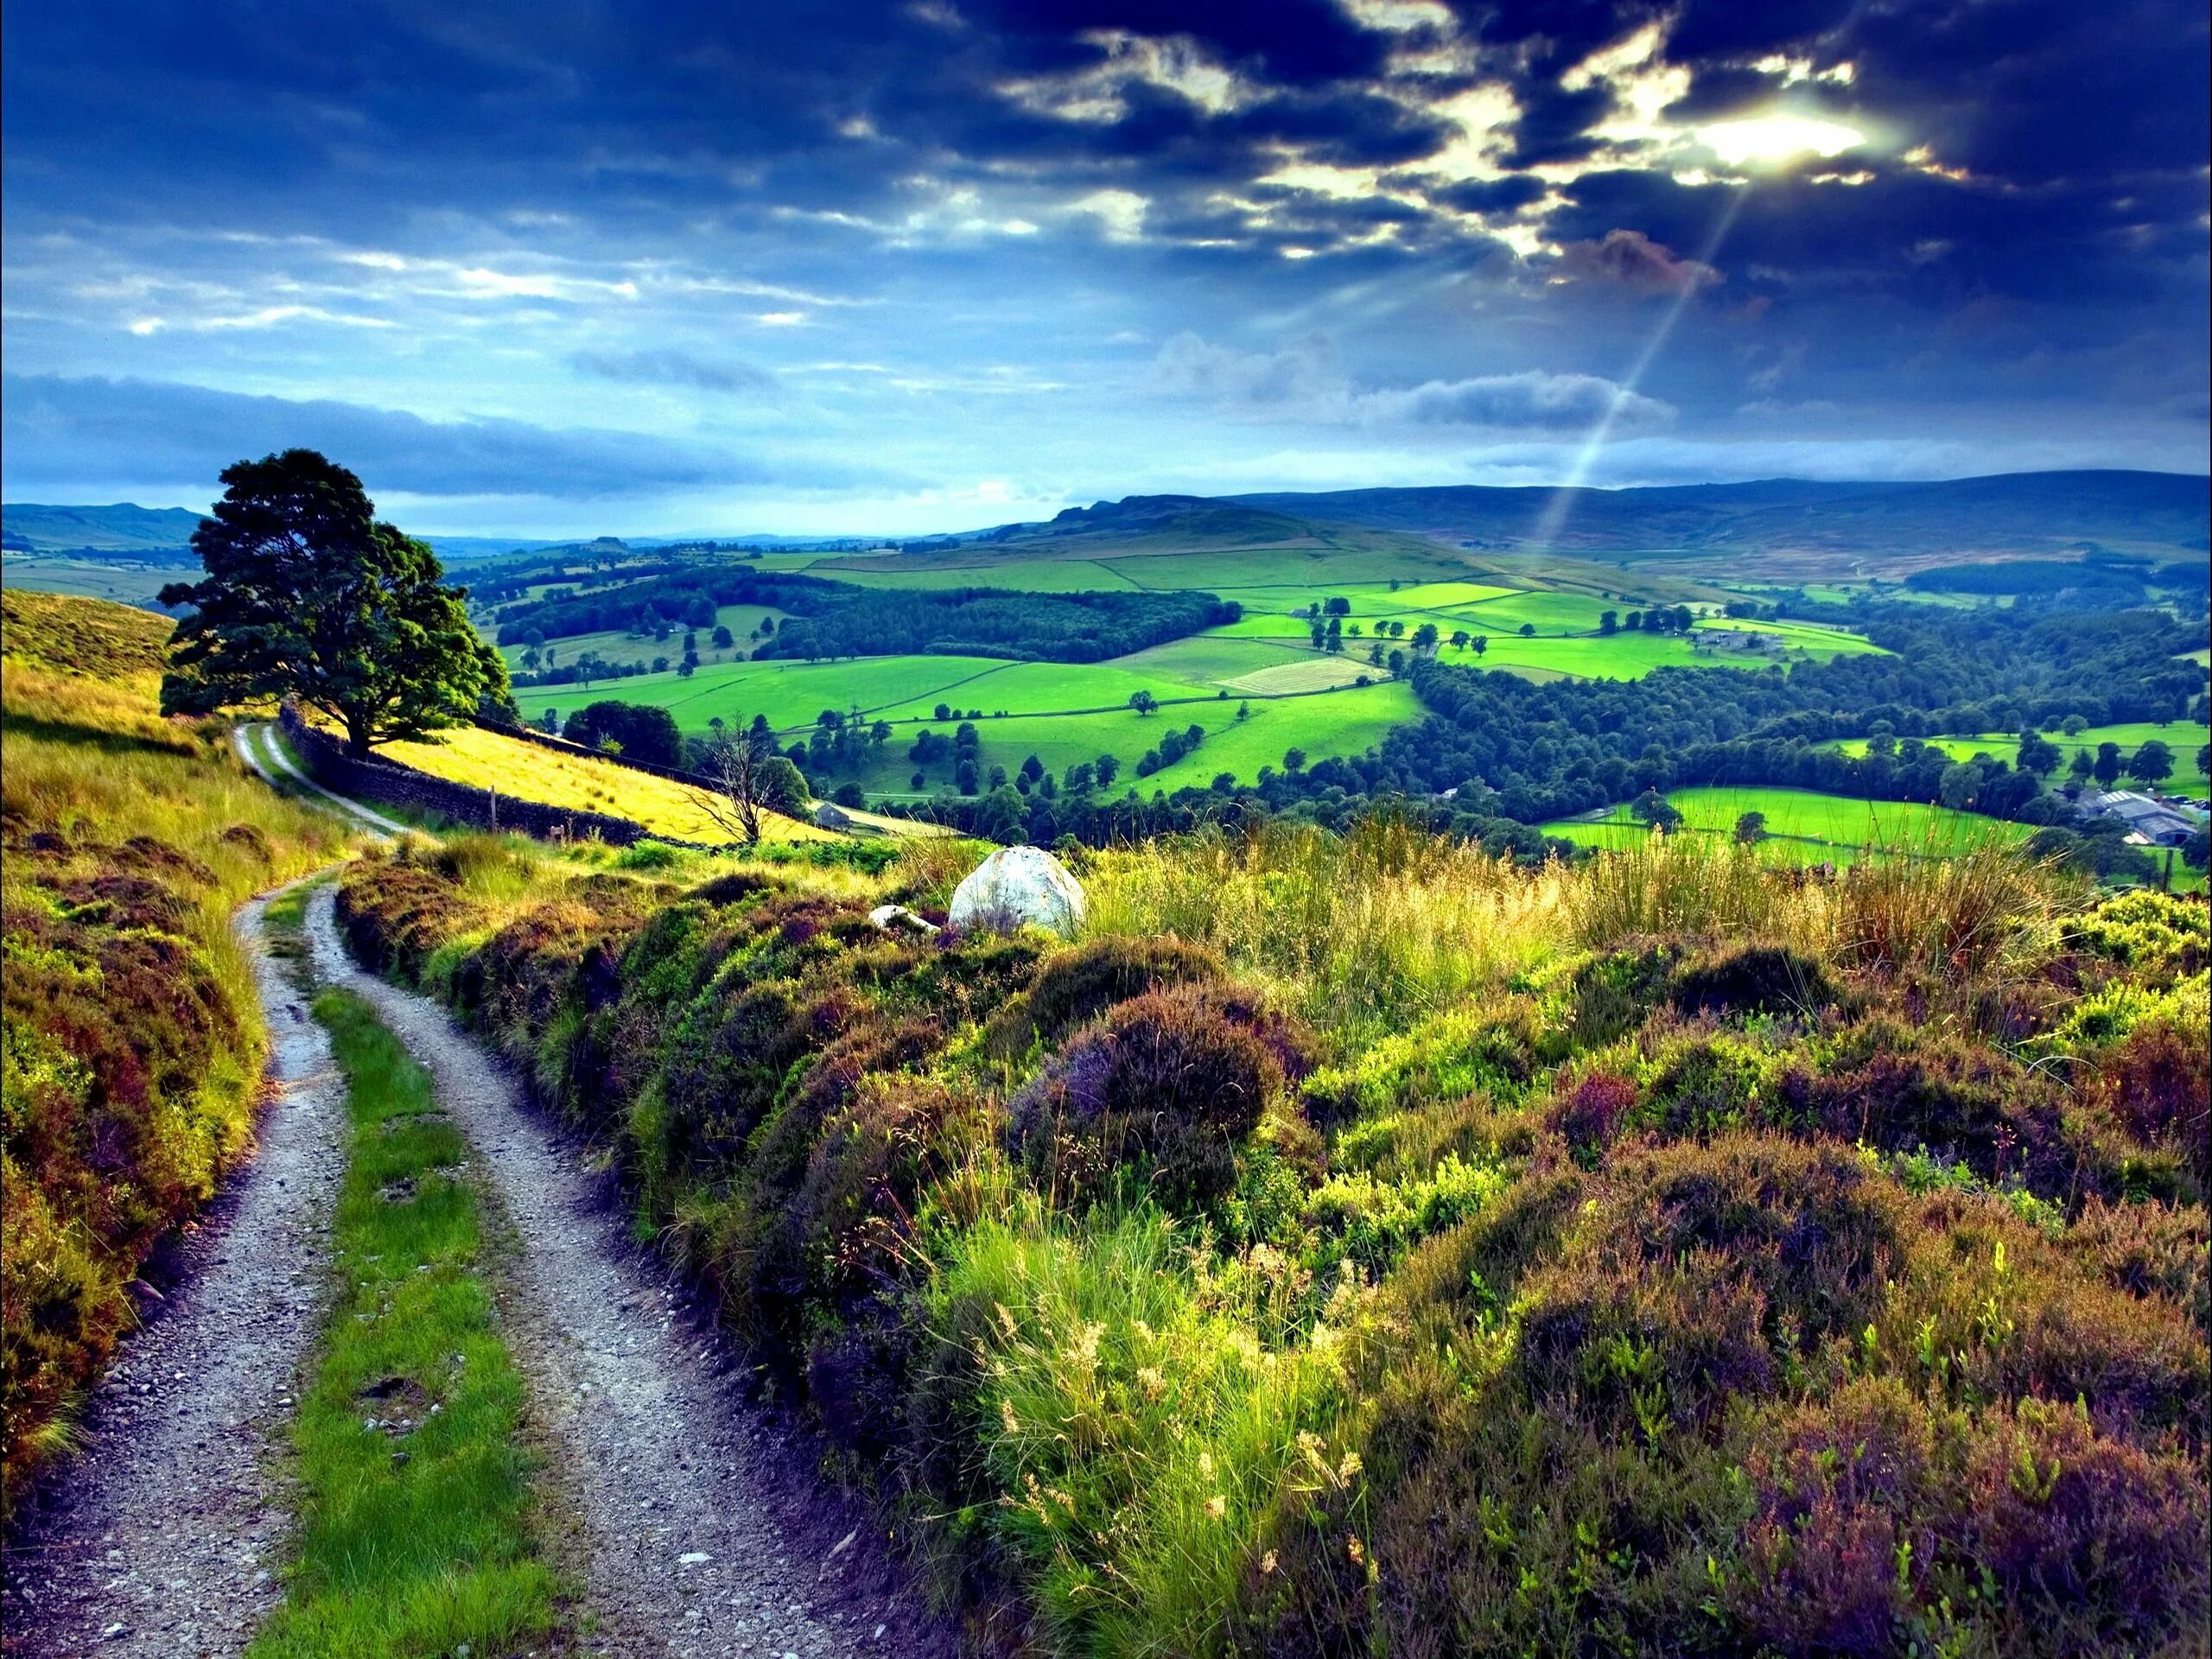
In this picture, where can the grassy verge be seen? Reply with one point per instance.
(418, 1533)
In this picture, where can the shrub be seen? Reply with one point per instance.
(1840, 1537)
(1613, 991)
(1170, 1083)
(1701, 1274)
(1751, 979)
(1591, 1113)
(2092, 1541)
(1074, 986)
(1497, 1047)
(2157, 1082)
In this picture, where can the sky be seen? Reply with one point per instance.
(566, 267)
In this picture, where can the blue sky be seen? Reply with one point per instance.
(569, 268)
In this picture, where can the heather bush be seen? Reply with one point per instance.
(1167, 1087)
(1751, 979)
(1074, 986)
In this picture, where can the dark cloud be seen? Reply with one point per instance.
(2045, 241)
(169, 434)
(1635, 261)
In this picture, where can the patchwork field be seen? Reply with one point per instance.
(1335, 723)
(617, 647)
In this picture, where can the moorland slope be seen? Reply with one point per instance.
(134, 1040)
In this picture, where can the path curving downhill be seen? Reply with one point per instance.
(706, 1533)
(259, 747)
(165, 1538)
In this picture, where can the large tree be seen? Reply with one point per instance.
(307, 595)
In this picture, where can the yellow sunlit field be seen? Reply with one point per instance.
(487, 760)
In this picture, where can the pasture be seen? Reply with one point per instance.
(1342, 723)
(1825, 828)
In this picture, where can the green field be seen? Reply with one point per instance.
(1336, 723)
(790, 694)
(2184, 738)
(1825, 827)
(1063, 713)
(616, 646)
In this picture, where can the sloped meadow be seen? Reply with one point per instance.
(1355, 1245)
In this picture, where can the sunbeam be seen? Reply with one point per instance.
(1556, 512)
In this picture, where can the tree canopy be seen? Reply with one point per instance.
(308, 594)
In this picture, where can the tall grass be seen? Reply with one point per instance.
(1139, 1431)
(1360, 933)
(1693, 884)
(1365, 933)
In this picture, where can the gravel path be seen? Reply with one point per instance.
(163, 1538)
(258, 748)
(705, 1530)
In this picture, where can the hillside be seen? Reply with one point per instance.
(30, 527)
(134, 1040)
(1357, 1245)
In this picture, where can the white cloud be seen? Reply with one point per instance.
(1305, 383)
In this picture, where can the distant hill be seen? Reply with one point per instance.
(1899, 525)
(30, 527)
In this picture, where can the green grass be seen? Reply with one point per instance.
(1048, 687)
(2179, 735)
(1826, 825)
(419, 1529)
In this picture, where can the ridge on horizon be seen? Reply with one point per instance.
(1378, 507)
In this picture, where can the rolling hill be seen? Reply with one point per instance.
(32, 527)
(1890, 527)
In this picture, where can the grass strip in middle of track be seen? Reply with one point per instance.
(420, 1531)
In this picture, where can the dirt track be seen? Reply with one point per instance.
(703, 1527)
(705, 1531)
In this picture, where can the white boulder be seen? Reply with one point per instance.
(1017, 885)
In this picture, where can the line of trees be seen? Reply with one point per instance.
(828, 619)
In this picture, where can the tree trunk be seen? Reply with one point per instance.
(356, 737)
